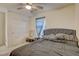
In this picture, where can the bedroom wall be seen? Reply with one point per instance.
(16, 30)
(77, 20)
(2, 28)
(17, 26)
(57, 18)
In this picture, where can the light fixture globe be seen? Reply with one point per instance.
(29, 7)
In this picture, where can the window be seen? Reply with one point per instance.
(40, 25)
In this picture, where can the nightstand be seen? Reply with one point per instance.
(30, 39)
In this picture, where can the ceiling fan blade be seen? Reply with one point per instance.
(34, 7)
(40, 7)
(19, 8)
(29, 4)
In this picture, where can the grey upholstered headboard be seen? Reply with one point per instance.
(59, 30)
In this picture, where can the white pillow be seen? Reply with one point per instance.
(69, 37)
(60, 35)
(46, 36)
(64, 36)
(50, 37)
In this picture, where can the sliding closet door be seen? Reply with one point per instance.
(2, 28)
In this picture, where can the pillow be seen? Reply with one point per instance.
(45, 36)
(69, 37)
(60, 36)
(50, 37)
(64, 36)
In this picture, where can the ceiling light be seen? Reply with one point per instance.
(28, 7)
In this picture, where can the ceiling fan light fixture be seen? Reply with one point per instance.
(29, 7)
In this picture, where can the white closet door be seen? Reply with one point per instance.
(2, 28)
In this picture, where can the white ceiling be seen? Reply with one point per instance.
(47, 6)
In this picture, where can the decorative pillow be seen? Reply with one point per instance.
(69, 37)
(60, 36)
(46, 37)
(64, 36)
(50, 37)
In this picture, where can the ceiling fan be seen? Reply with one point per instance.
(31, 7)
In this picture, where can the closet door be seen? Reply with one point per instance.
(2, 28)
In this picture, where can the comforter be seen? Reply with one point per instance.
(46, 48)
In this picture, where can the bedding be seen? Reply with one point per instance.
(46, 48)
(60, 36)
(50, 37)
(54, 47)
(64, 36)
(69, 37)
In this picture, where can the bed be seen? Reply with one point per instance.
(46, 47)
